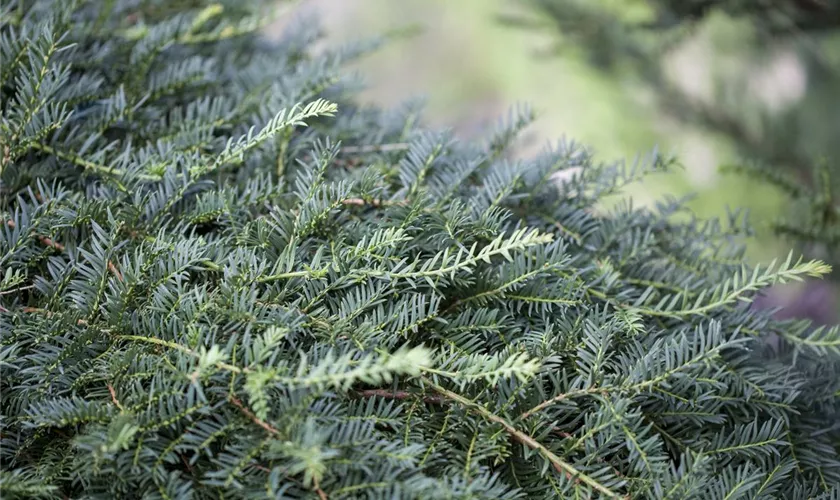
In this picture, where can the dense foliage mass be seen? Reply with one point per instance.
(221, 278)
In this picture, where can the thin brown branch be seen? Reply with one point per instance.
(116, 272)
(373, 203)
(318, 490)
(43, 239)
(186, 462)
(50, 243)
(559, 398)
(271, 430)
(114, 397)
(384, 393)
(49, 314)
(18, 289)
(562, 434)
(248, 413)
(58, 246)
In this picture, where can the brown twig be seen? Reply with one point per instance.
(38, 311)
(560, 397)
(50, 314)
(186, 462)
(373, 203)
(43, 239)
(318, 490)
(562, 434)
(18, 289)
(116, 272)
(248, 413)
(384, 393)
(58, 246)
(114, 397)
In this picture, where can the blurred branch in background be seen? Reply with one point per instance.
(769, 85)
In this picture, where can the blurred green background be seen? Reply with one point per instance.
(471, 68)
